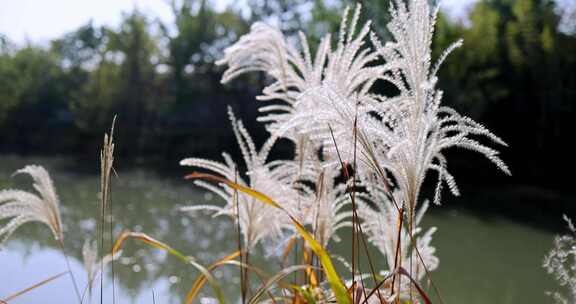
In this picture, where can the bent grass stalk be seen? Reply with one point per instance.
(231, 260)
(201, 280)
(243, 289)
(72, 277)
(148, 240)
(28, 289)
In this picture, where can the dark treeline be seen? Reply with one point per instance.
(516, 73)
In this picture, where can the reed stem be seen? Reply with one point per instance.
(76, 290)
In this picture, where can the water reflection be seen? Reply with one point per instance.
(141, 202)
(497, 261)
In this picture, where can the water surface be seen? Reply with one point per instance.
(482, 260)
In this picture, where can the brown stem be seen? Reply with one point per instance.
(111, 243)
(239, 240)
(428, 276)
(61, 243)
(351, 192)
(410, 227)
(397, 254)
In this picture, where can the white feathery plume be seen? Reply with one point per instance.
(321, 203)
(310, 89)
(561, 263)
(340, 104)
(415, 128)
(21, 206)
(380, 225)
(402, 135)
(330, 208)
(92, 264)
(265, 49)
(257, 220)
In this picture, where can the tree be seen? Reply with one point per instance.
(517, 63)
(199, 35)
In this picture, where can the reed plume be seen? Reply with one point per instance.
(22, 206)
(257, 221)
(561, 263)
(91, 263)
(43, 206)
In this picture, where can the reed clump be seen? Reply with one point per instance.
(361, 157)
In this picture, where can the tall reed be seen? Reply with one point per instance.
(106, 166)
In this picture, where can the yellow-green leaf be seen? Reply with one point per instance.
(275, 279)
(186, 259)
(255, 194)
(201, 280)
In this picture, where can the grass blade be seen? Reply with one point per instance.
(43, 282)
(201, 280)
(400, 271)
(232, 261)
(186, 259)
(287, 250)
(308, 259)
(148, 240)
(255, 194)
(424, 296)
(276, 278)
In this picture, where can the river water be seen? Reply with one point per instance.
(482, 260)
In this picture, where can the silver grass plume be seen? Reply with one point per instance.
(265, 49)
(415, 128)
(330, 208)
(22, 207)
(257, 220)
(299, 79)
(561, 263)
(92, 263)
(380, 226)
(106, 163)
(402, 135)
(321, 203)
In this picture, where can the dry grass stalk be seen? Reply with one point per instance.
(106, 167)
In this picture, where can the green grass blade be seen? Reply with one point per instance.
(202, 278)
(186, 259)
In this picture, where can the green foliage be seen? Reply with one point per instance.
(92, 104)
(506, 42)
(199, 34)
(470, 75)
(82, 47)
(10, 91)
(30, 80)
(519, 58)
